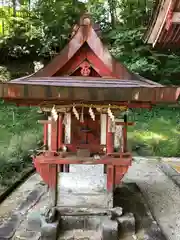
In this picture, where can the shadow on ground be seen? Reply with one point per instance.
(130, 198)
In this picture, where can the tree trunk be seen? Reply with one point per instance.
(14, 7)
(112, 8)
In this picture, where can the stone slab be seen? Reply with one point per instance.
(170, 172)
(109, 230)
(84, 186)
(82, 222)
(80, 235)
(49, 231)
(126, 224)
(83, 178)
(84, 200)
(8, 229)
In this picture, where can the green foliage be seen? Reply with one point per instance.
(40, 30)
(156, 132)
(20, 132)
(4, 74)
(55, 20)
(126, 44)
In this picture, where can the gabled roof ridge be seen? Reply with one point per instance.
(85, 33)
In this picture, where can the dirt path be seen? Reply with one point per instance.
(162, 194)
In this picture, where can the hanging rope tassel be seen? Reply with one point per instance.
(91, 113)
(76, 114)
(54, 114)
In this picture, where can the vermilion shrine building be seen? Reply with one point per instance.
(84, 90)
(164, 27)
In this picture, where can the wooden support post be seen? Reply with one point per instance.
(109, 149)
(118, 174)
(119, 170)
(109, 137)
(63, 168)
(45, 123)
(53, 168)
(60, 137)
(60, 131)
(45, 134)
(125, 133)
(110, 178)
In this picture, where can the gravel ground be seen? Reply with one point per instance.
(162, 194)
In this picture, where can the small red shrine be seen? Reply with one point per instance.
(84, 90)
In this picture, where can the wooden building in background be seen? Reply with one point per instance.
(164, 27)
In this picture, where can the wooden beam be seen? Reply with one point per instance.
(115, 161)
(125, 124)
(45, 121)
(160, 21)
(176, 17)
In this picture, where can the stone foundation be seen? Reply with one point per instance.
(83, 205)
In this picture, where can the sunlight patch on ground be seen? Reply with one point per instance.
(148, 135)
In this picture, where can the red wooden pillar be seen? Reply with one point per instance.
(110, 177)
(63, 168)
(109, 137)
(45, 134)
(54, 135)
(60, 137)
(125, 133)
(119, 173)
(109, 149)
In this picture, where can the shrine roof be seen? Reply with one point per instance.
(67, 89)
(78, 81)
(164, 27)
(85, 71)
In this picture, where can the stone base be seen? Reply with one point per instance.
(80, 234)
(35, 227)
(110, 230)
(84, 186)
(126, 225)
(83, 203)
(49, 231)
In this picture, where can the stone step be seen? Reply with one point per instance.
(80, 234)
(81, 222)
(101, 200)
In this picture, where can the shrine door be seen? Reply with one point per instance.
(86, 134)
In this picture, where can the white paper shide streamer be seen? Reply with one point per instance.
(76, 114)
(54, 114)
(91, 113)
(110, 114)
